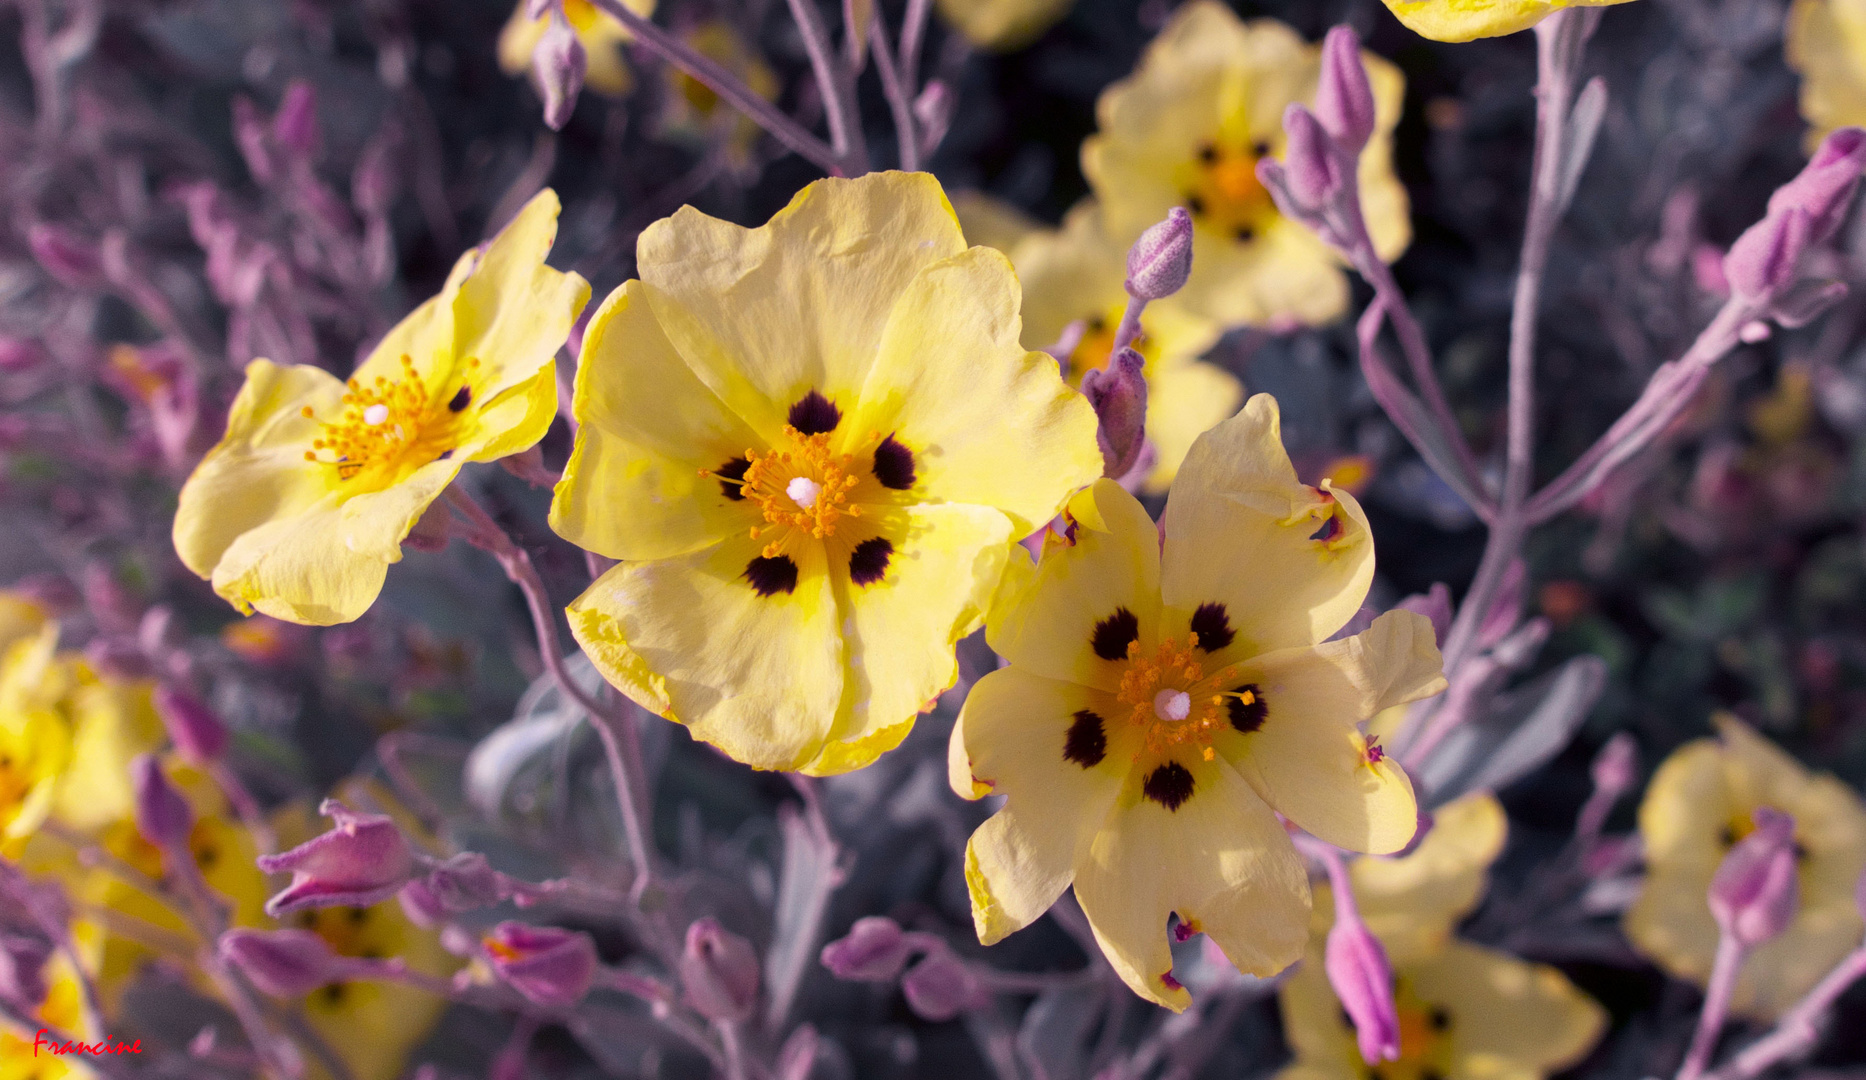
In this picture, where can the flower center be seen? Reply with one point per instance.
(381, 422)
(803, 491)
(804, 487)
(1173, 701)
(1172, 705)
(1425, 1038)
(1224, 194)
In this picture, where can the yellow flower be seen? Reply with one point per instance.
(303, 505)
(813, 442)
(1076, 273)
(1827, 44)
(63, 1012)
(1463, 20)
(35, 727)
(1162, 699)
(1413, 904)
(695, 111)
(1002, 25)
(1698, 805)
(1188, 128)
(602, 37)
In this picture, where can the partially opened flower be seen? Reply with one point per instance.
(1464, 20)
(1188, 128)
(300, 509)
(1826, 43)
(1075, 274)
(812, 443)
(601, 34)
(1701, 801)
(1002, 25)
(1162, 699)
(361, 861)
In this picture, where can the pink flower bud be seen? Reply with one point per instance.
(1344, 101)
(1616, 767)
(294, 126)
(118, 658)
(942, 986)
(1161, 260)
(550, 966)
(467, 882)
(254, 141)
(1825, 185)
(25, 948)
(66, 256)
(559, 63)
(1767, 257)
(933, 112)
(875, 950)
(719, 971)
(163, 817)
(283, 963)
(1357, 968)
(1119, 395)
(361, 861)
(19, 354)
(422, 907)
(195, 730)
(1755, 892)
(1311, 165)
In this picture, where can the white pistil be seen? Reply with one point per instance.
(375, 414)
(1172, 705)
(803, 491)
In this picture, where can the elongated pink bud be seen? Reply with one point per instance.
(163, 817)
(1767, 257)
(195, 729)
(1161, 260)
(294, 126)
(1825, 185)
(65, 255)
(942, 986)
(550, 966)
(1755, 892)
(363, 860)
(1119, 395)
(719, 972)
(559, 63)
(283, 963)
(1356, 964)
(875, 950)
(1344, 100)
(1310, 163)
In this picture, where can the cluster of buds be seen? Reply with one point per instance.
(1764, 266)
(1315, 182)
(1157, 267)
(938, 988)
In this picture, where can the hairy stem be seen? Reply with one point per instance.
(838, 89)
(1716, 1006)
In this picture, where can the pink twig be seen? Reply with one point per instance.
(1724, 970)
(1795, 1033)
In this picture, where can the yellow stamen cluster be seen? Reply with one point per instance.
(380, 421)
(1175, 667)
(768, 478)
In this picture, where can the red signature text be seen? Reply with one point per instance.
(96, 1049)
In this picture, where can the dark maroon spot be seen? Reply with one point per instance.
(1431, 1074)
(1439, 1019)
(1097, 323)
(1213, 625)
(1182, 930)
(1260, 148)
(1171, 983)
(1247, 717)
(1195, 205)
(1208, 154)
(814, 414)
(729, 476)
(894, 464)
(1245, 234)
(1170, 785)
(445, 454)
(462, 398)
(1113, 634)
(1086, 743)
(771, 576)
(1329, 530)
(1727, 836)
(869, 561)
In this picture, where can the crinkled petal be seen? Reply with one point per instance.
(766, 315)
(760, 677)
(1045, 622)
(514, 312)
(633, 488)
(950, 369)
(1290, 563)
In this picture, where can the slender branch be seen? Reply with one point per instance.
(838, 90)
(732, 1042)
(898, 93)
(1795, 1033)
(913, 32)
(1723, 974)
(728, 86)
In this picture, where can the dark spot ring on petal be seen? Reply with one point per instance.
(1114, 633)
(770, 576)
(814, 414)
(1213, 625)
(1087, 743)
(1247, 708)
(894, 464)
(869, 561)
(1170, 785)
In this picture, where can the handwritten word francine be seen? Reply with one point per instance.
(96, 1049)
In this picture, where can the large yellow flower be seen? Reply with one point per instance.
(1463, 20)
(1002, 25)
(602, 37)
(812, 442)
(1076, 273)
(1188, 128)
(1827, 45)
(1699, 804)
(1163, 698)
(303, 505)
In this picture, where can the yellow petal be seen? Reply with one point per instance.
(1413, 903)
(760, 677)
(1047, 624)
(1826, 43)
(1508, 1012)
(1465, 20)
(1220, 861)
(949, 373)
(1240, 531)
(647, 426)
(514, 312)
(20, 618)
(1184, 402)
(1060, 755)
(1309, 760)
(113, 723)
(766, 315)
(1002, 25)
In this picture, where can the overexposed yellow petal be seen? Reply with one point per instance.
(1465, 20)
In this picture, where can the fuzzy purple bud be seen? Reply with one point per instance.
(73, 260)
(196, 731)
(1824, 187)
(1767, 257)
(942, 986)
(294, 126)
(361, 861)
(1616, 767)
(1119, 395)
(550, 966)
(719, 971)
(19, 354)
(466, 882)
(1344, 100)
(559, 63)
(163, 817)
(283, 963)
(1755, 891)
(1357, 968)
(1161, 260)
(1311, 166)
(874, 950)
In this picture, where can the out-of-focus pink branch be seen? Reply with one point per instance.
(1796, 1032)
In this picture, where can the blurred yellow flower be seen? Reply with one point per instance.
(1826, 42)
(695, 111)
(1188, 128)
(813, 443)
(1413, 904)
(1075, 274)
(1698, 805)
(1003, 25)
(61, 1011)
(303, 505)
(1163, 699)
(1463, 20)
(602, 37)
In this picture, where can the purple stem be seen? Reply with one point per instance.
(838, 89)
(1129, 329)
(898, 93)
(1723, 975)
(913, 32)
(1795, 1033)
